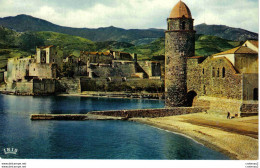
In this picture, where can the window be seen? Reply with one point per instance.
(203, 71)
(255, 94)
(223, 72)
(183, 25)
(204, 89)
(218, 73)
(33, 69)
(53, 60)
(213, 72)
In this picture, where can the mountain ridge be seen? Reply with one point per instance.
(23, 23)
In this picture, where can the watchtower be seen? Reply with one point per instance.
(179, 44)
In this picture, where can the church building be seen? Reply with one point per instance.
(224, 82)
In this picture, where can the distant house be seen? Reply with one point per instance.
(72, 59)
(48, 55)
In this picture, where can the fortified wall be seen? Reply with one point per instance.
(151, 112)
(35, 87)
(68, 85)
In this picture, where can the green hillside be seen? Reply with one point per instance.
(67, 42)
(23, 44)
(205, 45)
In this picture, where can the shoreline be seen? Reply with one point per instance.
(95, 95)
(112, 97)
(195, 139)
(205, 135)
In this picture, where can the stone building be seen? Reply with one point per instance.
(118, 64)
(149, 69)
(225, 82)
(179, 45)
(97, 57)
(71, 59)
(48, 54)
(27, 75)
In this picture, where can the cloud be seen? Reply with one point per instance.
(133, 13)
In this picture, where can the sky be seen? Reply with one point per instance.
(134, 14)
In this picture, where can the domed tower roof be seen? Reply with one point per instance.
(180, 10)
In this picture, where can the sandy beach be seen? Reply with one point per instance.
(236, 138)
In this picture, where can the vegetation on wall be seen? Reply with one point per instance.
(67, 69)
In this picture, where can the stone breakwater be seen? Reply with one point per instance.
(78, 117)
(152, 113)
(121, 114)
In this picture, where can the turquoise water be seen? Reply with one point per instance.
(89, 139)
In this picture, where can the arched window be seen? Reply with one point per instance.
(183, 25)
(213, 72)
(218, 73)
(223, 72)
(255, 94)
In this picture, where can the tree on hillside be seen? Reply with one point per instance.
(29, 40)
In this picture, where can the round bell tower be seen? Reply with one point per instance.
(179, 44)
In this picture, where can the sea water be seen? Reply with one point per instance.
(89, 139)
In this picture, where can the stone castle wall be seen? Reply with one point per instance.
(43, 70)
(68, 85)
(120, 69)
(44, 86)
(117, 84)
(35, 86)
(17, 69)
(150, 68)
(96, 58)
(24, 87)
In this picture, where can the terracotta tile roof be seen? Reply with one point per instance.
(180, 10)
(95, 53)
(237, 50)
